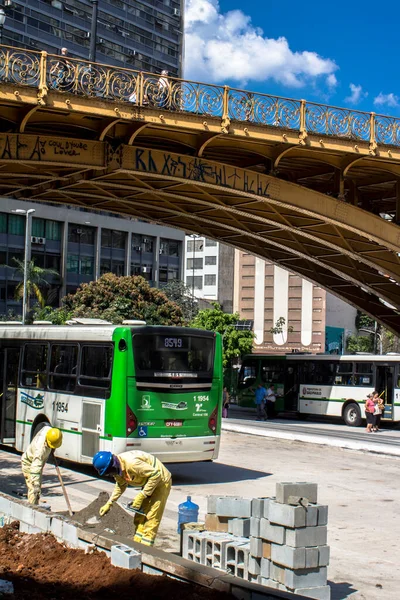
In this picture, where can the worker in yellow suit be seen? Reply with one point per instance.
(35, 457)
(143, 470)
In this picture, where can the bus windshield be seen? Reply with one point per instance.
(182, 357)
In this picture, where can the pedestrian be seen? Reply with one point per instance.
(164, 89)
(61, 70)
(370, 412)
(259, 399)
(35, 457)
(225, 403)
(379, 410)
(139, 469)
(270, 401)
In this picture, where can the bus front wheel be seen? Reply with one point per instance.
(352, 415)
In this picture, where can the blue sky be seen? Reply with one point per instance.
(343, 53)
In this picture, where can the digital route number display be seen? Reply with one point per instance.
(172, 343)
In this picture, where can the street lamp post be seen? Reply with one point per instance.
(93, 31)
(27, 213)
(2, 21)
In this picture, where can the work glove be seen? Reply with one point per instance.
(138, 501)
(104, 509)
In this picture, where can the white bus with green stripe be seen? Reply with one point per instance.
(330, 385)
(116, 388)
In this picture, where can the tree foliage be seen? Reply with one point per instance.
(235, 342)
(177, 291)
(359, 343)
(36, 281)
(280, 327)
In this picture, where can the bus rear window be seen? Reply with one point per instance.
(181, 356)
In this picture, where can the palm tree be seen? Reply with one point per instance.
(36, 279)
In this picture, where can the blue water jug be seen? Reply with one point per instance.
(188, 512)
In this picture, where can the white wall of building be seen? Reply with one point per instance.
(205, 274)
(340, 314)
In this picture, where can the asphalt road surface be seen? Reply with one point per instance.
(361, 489)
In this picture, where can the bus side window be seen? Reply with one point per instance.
(95, 366)
(34, 366)
(63, 365)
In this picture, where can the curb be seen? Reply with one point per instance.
(313, 439)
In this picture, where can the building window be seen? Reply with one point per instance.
(197, 245)
(38, 227)
(210, 260)
(169, 247)
(210, 243)
(198, 282)
(80, 234)
(16, 225)
(73, 263)
(112, 239)
(53, 231)
(210, 279)
(194, 263)
(105, 266)
(3, 223)
(82, 266)
(163, 275)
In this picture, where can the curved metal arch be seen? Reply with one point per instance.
(107, 128)
(26, 118)
(207, 142)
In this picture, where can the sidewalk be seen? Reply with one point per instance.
(321, 432)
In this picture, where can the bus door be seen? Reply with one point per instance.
(292, 386)
(384, 386)
(9, 362)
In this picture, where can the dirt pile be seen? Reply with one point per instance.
(117, 520)
(42, 569)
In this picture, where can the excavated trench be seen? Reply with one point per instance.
(40, 568)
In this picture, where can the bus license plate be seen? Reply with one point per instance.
(174, 423)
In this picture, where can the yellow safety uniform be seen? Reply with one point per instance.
(33, 461)
(146, 471)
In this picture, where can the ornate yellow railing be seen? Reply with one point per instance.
(75, 76)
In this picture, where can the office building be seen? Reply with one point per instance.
(81, 246)
(145, 35)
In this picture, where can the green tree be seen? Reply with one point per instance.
(236, 342)
(117, 298)
(181, 294)
(359, 343)
(280, 327)
(36, 281)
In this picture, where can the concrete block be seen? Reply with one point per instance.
(215, 523)
(266, 549)
(306, 578)
(312, 557)
(5, 505)
(255, 527)
(306, 536)
(267, 502)
(269, 583)
(215, 551)
(240, 527)
(322, 514)
(237, 559)
(125, 557)
(293, 558)
(212, 503)
(311, 515)
(256, 547)
(193, 545)
(318, 593)
(31, 529)
(257, 507)
(22, 511)
(233, 507)
(272, 533)
(56, 527)
(265, 568)
(253, 579)
(42, 520)
(277, 573)
(301, 489)
(324, 555)
(254, 565)
(70, 535)
(288, 516)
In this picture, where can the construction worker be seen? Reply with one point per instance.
(35, 457)
(143, 470)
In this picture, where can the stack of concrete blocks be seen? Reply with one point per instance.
(278, 542)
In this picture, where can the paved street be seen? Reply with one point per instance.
(360, 488)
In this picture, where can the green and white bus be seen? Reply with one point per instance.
(116, 388)
(329, 385)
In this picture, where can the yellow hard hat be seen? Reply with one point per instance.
(54, 437)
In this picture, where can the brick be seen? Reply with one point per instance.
(240, 527)
(70, 534)
(257, 507)
(288, 516)
(312, 557)
(42, 520)
(324, 555)
(318, 593)
(306, 578)
(233, 507)
(301, 489)
(322, 514)
(215, 523)
(125, 557)
(306, 537)
(311, 515)
(266, 549)
(293, 558)
(272, 533)
(254, 565)
(265, 568)
(255, 527)
(256, 547)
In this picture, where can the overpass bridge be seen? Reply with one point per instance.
(311, 187)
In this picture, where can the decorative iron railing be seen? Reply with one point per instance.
(75, 76)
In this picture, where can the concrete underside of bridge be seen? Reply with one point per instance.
(253, 187)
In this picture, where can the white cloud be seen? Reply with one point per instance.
(386, 100)
(227, 47)
(356, 94)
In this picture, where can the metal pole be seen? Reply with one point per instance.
(194, 256)
(93, 31)
(1, 34)
(25, 295)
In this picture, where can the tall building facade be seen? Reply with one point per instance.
(81, 246)
(145, 35)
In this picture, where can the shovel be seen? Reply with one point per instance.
(136, 511)
(62, 486)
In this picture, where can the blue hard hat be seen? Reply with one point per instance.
(102, 461)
